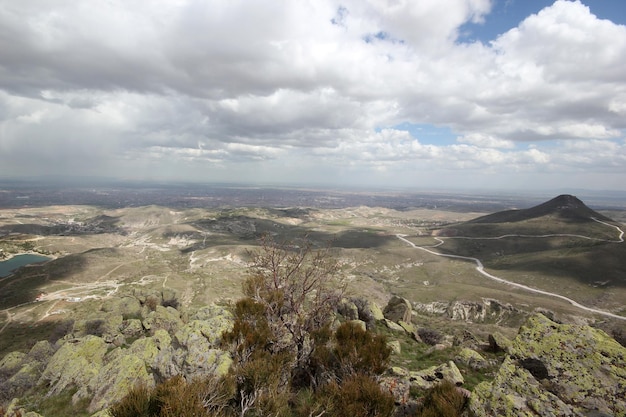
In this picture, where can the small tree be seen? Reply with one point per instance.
(299, 289)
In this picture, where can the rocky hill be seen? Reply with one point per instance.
(549, 369)
(565, 207)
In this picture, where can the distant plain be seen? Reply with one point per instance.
(103, 250)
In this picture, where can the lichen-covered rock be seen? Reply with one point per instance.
(396, 386)
(408, 327)
(201, 361)
(395, 346)
(11, 361)
(132, 328)
(166, 318)
(75, 363)
(427, 378)
(498, 342)
(122, 371)
(217, 319)
(41, 351)
(514, 392)
(398, 309)
(102, 413)
(373, 310)
(393, 325)
(105, 325)
(471, 358)
(556, 370)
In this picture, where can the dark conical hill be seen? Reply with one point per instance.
(566, 207)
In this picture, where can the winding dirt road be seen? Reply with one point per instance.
(481, 269)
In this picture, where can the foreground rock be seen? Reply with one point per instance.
(398, 309)
(104, 356)
(556, 370)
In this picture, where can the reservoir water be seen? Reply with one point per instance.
(7, 267)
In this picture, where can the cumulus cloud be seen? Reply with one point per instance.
(213, 88)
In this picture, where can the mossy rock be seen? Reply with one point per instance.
(166, 318)
(391, 325)
(132, 328)
(75, 363)
(471, 358)
(429, 377)
(498, 342)
(559, 369)
(122, 372)
(396, 347)
(12, 361)
(374, 310)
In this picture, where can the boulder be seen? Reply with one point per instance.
(41, 351)
(132, 328)
(374, 311)
(75, 363)
(122, 371)
(158, 354)
(166, 318)
(471, 358)
(556, 370)
(393, 326)
(395, 346)
(429, 377)
(398, 309)
(12, 361)
(218, 320)
(396, 386)
(498, 342)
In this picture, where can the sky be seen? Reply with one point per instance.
(428, 94)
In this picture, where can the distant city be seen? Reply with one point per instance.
(14, 194)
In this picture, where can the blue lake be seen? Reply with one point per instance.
(7, 267)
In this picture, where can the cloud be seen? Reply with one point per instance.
(116, 86)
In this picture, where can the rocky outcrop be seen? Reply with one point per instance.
(74, 364)
(487, 311)
(398, 309)
(119, 346)
(429, 377)
(556, 370)
(471, 358)
(498, 342)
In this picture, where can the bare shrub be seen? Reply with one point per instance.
(358, 396)
(152, 302)
(443, 400)
(297, 286)
(139, 402)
